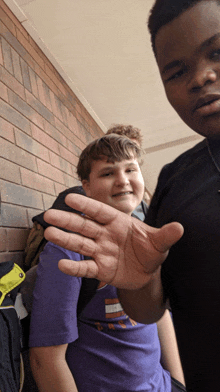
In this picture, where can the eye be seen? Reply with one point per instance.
(176, 75)
(131, 169)
(215, 55)
(106, 174)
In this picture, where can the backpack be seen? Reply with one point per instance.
(11, 374)
(34, 246)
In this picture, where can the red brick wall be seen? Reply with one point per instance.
(43, 128)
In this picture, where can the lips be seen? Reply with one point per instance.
(208, 103)
(122, 193)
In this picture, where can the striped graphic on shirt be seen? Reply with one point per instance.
(113, 308)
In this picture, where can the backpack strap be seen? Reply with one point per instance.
(87, 292)
(11, 276)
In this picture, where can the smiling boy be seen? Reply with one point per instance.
(186, 42)
(102, 349)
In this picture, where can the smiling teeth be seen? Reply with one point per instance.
(123, 193)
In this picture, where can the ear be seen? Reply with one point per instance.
(86, 187)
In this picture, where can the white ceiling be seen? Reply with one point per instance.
(102, 48)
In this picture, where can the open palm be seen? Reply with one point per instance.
(124, 251)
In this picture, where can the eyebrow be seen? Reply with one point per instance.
(104, 169)
(205, 44)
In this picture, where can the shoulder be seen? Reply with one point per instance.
(184, 161)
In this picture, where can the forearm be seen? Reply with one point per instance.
(52, 375)
(145, 305)
(170, 358)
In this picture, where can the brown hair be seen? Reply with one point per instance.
(113, 147)
(126, 130)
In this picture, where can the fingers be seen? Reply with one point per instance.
(84, 268)
(73, 222)
(71, 241)
(96, 210)
(167, 236)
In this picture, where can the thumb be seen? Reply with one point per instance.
(166, 236)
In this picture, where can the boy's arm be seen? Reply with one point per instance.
(170, 359)
(50, 369)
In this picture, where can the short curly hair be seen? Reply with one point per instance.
(164, 11)
(126, 130)
(113, 147)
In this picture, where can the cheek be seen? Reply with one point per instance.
(178, 100)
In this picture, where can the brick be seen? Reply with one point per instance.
(31, 51)
(16, 239)
(25, 74)
(50, 172)
(8, 12)
(85, 135)
(25, 109)
(9, 171)
(30, 145)
(16, 66)
(39, 107)
(20, 195)
(3, 92)
(11, 39)
(73, 124)
(64, 113)
(6, 130)
(73, 148)
(60, 163)
(41, 90)
(22, 31)
(13, 216)
(59, 188)
(33, 79)
(14, 117)
(47, 96)
(3, 238)
(53, 102)
(68, 156)
(35, 181)
(63, 129)
(52, 131)
(79, 144)
(7, 57)
(16, 257)
(17, 155)
(1, 54)
(48, 201)
(5, 256)
(7, 21)
(58, 106)
(69, 180)
(11, 82)
(46, 140)
(31, 213)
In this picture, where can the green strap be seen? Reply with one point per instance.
(11, 280)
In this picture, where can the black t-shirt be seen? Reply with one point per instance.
(188, 192)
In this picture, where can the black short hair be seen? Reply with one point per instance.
(164, 11)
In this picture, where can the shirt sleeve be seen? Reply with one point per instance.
(54, 310)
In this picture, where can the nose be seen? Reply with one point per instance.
(121, 179)
(202, 76)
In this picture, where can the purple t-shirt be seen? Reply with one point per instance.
(107, 351)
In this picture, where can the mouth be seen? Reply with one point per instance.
(207, 105)
(122, 194)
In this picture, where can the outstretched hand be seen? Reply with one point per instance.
(124, 251)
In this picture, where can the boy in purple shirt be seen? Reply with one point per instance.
(102, 350)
